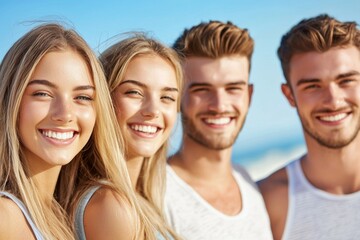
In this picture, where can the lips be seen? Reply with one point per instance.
(218, 121)
(334, 118)
(62, 136)
(149, 129)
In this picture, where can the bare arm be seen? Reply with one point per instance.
(106, 217)
(275, 192)
(13, 224)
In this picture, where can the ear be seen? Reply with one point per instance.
(286, 90)
(250, 92)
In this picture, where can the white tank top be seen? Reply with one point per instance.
(193, 218)
(316, 214)
(24, 210)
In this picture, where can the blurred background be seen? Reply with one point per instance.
(272, 135)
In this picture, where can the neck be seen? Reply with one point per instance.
(333, 170)
(199, 161)
(46, 181)
(134, 165)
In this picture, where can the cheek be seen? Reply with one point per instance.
(190, 103)
(88, 118)
(355, 95)
(124, 111)
(30, 114)
(170, 115)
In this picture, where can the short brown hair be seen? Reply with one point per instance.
(319, 34)
(215, 39)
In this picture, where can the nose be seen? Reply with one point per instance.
(62, 111)
(217, 101)
(150, 109)
(333, 97)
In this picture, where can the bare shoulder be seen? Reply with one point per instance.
(274, 185)
(13, 224)
(107, 216)
(275, 192)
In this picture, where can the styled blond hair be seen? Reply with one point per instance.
(215, 39)
(151, 184)
(318, 34)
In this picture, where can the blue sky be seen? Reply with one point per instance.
(271, 122)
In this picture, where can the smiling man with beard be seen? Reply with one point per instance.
(318, 196)
(205, 197)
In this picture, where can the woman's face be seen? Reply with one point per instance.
(146, 104)
(57, 113)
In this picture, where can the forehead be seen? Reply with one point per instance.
(216, 71)
(59, 66)
(324, 65)
(152, 70)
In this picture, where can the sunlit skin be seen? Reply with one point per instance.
(325, 89)
(57, 114)
(214, 107)
(216, 100)
(146, 104)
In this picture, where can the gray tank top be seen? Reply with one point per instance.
(24, 210)
(316, 214)
(79, 214)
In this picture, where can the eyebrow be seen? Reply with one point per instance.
(140, 84)
(316, 80)
(203, 84)
(305, 81)
(50, 84)
(133, 82)
(348, 74)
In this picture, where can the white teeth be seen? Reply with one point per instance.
(58, 135)
(218, 121)
(333, 118)
(143, 128)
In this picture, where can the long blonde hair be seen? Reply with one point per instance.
(15, 72)
(101, 158)
(151, 184)
(101, 162)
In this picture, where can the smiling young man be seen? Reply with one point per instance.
(318, 196)
(205, 198)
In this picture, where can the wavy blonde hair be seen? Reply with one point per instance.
(151, 184)
(101, 157)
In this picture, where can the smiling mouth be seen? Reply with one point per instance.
(218, 121)
(144, 128)
(334, 118)
(58, 135)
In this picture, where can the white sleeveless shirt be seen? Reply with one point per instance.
(193, 218)
(316, 214)
(35, 230)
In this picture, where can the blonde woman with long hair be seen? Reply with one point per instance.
(145, 81)
(53, 99)
(47, 117)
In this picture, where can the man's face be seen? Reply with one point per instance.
(216, 100)
(325, 89)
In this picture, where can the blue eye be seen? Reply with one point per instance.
(41, 94)
(85, 98)
(133, 92)
(168, 98)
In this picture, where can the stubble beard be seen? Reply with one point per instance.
(326, 141)
(211, 141)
